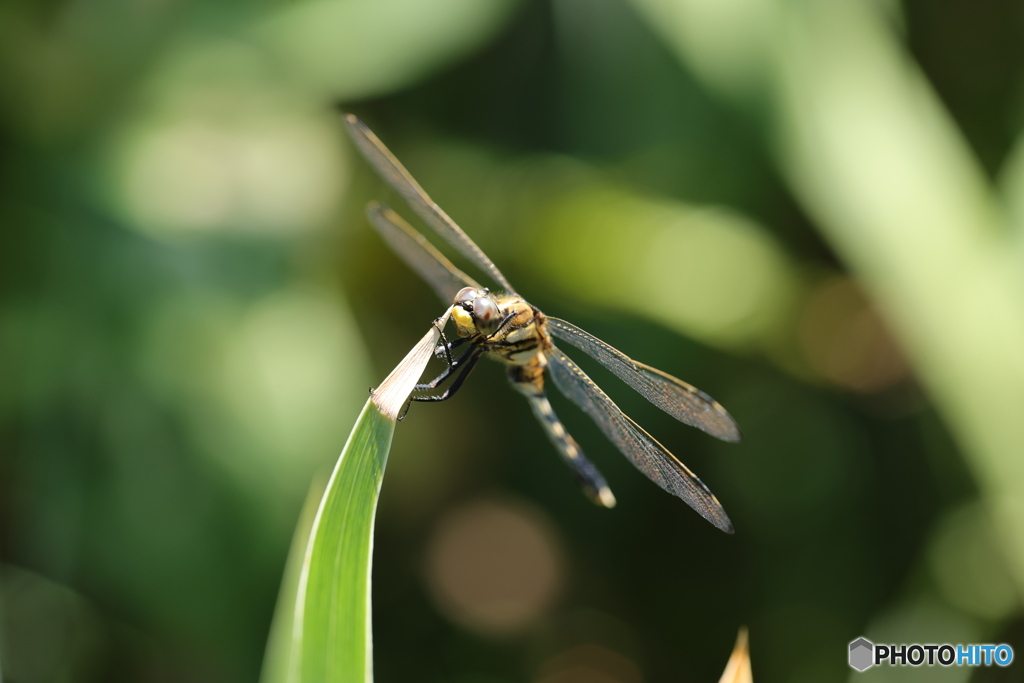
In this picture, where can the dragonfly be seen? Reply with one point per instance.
(502, 325)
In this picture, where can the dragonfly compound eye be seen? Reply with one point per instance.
(465, 295)
(486, 315)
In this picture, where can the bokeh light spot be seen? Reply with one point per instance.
(226, 149)
(293, 366)
(269, 386)
(968, 566)
(589, 663)
(494, 566)
(846, 341)
(46, 628)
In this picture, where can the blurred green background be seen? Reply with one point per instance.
(813, 211)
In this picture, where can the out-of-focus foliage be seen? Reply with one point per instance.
(809, 210)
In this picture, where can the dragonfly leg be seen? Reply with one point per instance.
(472, 354)
(467, 368)
(452, 366)
(588, 476)
(405, 410)
(444, 342)
(446, 349)
(506, 321)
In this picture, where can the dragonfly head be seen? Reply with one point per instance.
(475, 312)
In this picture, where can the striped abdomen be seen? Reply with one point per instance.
(586, 474)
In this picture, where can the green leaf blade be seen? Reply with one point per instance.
(321, 630)
(279, 642)
(332, 618)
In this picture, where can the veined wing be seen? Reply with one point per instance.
(649, 456)
(683, 401)
(418, 253)
(392, 171)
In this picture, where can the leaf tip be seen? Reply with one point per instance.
(737, 670)
(393, 392)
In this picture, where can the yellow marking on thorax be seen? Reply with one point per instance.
(528, 332)
(515, 345)
(523, 311)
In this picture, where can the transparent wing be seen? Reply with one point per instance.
(683, 401)
(392, 171)
(649, 456)
(418, 253)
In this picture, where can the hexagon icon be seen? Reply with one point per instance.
(861, 654)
